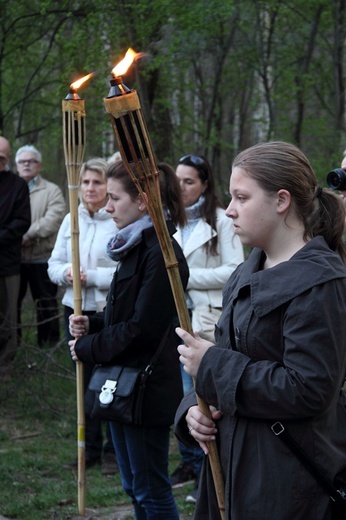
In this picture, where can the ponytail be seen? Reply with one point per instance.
(328, 220)
(171, 194)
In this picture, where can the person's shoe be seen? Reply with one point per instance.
(109, 465)
(89, 463)
(192, 496)
(184, 474)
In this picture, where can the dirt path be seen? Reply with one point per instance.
(121, 513)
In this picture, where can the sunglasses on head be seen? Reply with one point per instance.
(194, 159)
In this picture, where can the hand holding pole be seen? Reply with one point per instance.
(138, 157)
(73, 110)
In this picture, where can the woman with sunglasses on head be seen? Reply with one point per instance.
(212, 251)
(279, 359)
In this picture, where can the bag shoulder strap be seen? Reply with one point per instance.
(158, 351)
(280, 431)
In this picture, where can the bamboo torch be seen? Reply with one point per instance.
(73, 112)
(137, 154)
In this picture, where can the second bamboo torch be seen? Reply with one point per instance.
(136, 150)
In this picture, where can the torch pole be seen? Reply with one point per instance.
(73, 111)
(138, 157)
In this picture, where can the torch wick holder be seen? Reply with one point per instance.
(73, 94)
(118, 88)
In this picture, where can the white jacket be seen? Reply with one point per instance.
(94, 234)
(209, 273)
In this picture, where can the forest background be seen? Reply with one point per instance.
(217, 75)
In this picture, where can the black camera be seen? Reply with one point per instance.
(336, 179)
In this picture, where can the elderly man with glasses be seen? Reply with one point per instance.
(47, 212)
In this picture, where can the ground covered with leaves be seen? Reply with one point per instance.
(38, 430)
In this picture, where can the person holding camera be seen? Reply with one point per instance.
(343, 167)
(279, 356)
(336, 180)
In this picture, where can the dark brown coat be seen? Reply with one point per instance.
(280, 354)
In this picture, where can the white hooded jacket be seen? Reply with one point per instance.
(94, 234)
(209, 273)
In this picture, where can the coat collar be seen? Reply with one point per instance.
(202, 233)
(312, 265)
(128, 267)
(41, 184)
(101, 214)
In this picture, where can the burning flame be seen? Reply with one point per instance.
(79, 82)
(124, 64)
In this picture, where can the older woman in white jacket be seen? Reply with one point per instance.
(96, 267)
(96, 228)
(212, 251)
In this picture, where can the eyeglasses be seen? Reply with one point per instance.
(28, 161)
(192, 158)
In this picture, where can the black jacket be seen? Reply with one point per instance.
(280, 354)
(15, 220)
(140, 307)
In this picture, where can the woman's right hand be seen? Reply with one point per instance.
(201, 427)
(78, 325)
(69, 276)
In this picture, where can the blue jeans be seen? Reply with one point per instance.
(191, 456)
(142, 456)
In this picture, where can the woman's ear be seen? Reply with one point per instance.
(283, 201)
(142, 202)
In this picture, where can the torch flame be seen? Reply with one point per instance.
(79, 82)
(124, 64)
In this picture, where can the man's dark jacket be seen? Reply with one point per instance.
(15, 220)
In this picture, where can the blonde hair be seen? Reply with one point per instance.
(96, 164)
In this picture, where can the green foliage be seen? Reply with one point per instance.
(38, 437)
(217, 76)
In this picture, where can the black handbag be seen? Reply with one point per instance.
(115, 393)
(335, 490)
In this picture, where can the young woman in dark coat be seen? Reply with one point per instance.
(280, 346)
(140, 307)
